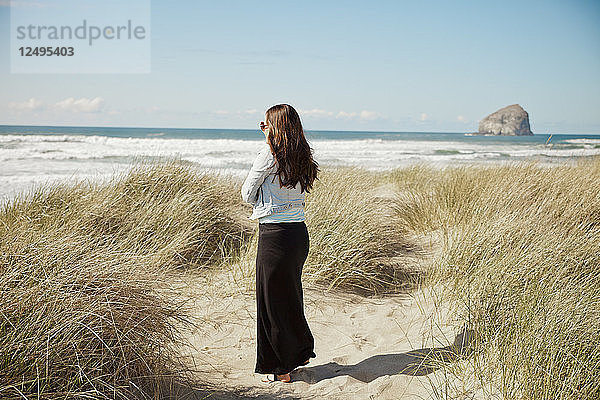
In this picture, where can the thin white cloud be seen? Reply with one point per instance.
(82, 105)
(32, 104)
(316, 112)
(369, 115)
(364, 115)
(460, 118)
(344, 114)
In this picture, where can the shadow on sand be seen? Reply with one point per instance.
(188, 391)
(415, 362)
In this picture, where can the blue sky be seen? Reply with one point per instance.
(345, 65)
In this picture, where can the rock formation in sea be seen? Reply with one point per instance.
(509, 121)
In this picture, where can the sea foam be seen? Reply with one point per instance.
(31, 159)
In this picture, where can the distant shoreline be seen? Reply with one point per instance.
(36, 155)
(492, 134)
(247, 129)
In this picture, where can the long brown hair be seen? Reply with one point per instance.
(290, 148)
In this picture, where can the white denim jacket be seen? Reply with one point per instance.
(261, 187)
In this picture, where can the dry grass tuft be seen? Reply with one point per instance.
(522, 258)
(354, 243)
(85, 301)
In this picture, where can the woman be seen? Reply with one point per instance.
(281, 175)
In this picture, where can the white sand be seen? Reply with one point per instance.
(367, 348)
(362, 344)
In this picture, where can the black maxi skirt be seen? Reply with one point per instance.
(284, 340)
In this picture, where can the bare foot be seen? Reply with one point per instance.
(284, 378)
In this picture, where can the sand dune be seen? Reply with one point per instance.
(366, 347)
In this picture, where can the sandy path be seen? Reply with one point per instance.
(367, 348)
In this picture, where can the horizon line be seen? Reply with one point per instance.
(250, 129)
(228, 129)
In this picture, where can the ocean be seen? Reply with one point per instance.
(35, 155)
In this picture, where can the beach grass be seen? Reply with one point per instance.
(88, 308)
(354, 243)
(521, 260)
